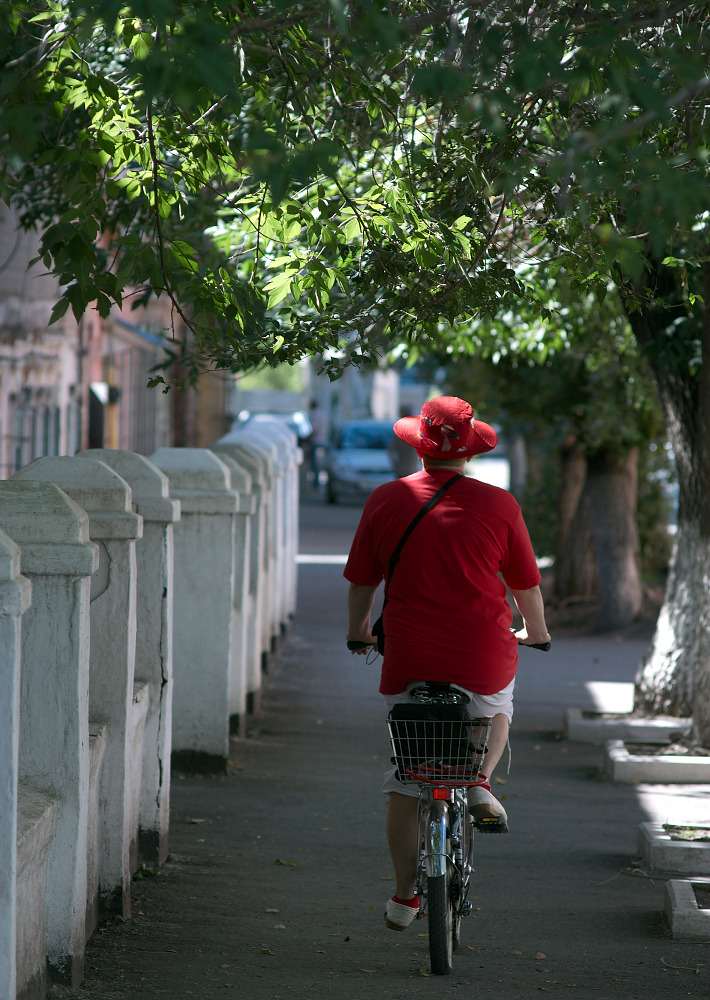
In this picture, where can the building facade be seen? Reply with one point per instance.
(83, 384)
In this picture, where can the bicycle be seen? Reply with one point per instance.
(436, 744)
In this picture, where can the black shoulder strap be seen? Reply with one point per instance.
(412, 525)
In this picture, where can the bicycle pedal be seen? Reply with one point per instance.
(491, 824)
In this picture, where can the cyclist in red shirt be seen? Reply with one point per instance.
(447, 616)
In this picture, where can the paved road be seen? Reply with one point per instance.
(279, 871)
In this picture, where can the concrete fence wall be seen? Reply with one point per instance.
(141, 603)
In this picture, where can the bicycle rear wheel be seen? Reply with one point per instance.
(441, 937)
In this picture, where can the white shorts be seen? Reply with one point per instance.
(480, 706)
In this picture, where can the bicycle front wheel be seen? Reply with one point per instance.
(441, 938)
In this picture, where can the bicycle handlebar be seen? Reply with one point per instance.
(354, 645)
(544, 646)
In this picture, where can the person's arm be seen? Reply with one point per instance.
(531, 607)
(360, 601)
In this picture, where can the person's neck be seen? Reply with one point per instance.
(455, 466)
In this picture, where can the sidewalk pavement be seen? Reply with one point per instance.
(279, 872)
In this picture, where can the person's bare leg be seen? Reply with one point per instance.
(497, 742)
(402, 840)
(484, 806)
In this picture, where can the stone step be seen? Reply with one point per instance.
(687, 919)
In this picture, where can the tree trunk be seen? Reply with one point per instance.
(675, 674)
(611, 492)
(598, 548)
(575, 566)
(518, 458)
(665, 681)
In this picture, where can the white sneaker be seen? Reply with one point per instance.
(488, 814)
(398, 916)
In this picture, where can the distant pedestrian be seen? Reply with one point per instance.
(318, 439)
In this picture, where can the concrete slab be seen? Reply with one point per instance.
(687, 919)
(592, 727)
(621, 764)
(663, 854)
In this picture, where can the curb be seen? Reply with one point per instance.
(628, 768)
(686, 919)
(589, 727)
(662, 854)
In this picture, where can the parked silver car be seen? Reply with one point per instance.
(358, 459)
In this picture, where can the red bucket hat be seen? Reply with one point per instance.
(447, 428)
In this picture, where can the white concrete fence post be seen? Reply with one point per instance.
(257, 463)
(241, 484)
(291, 457)
(204, 605)
(15, 591)
(106, 498)
(154, 638)
(287, 457)
(56, 555)
(264, 449)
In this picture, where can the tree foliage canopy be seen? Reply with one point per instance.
(310, 177)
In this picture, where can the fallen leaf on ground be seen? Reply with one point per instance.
(289, 864)
(271, 909)
(189, 819)
(267, 951)
(500, 781)
(540, 955)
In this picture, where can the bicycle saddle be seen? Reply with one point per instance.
(439, 692)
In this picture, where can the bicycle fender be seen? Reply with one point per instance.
(437, 832)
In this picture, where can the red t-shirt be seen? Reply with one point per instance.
(447, 617)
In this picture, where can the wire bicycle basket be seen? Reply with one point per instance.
(441, 751)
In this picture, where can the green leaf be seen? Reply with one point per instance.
(278, 288)
(59, 310)
(579, 90)
(141, 45)
(351, 229)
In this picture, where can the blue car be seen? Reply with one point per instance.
(358, 460)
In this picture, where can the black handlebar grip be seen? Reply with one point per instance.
(544, 646)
